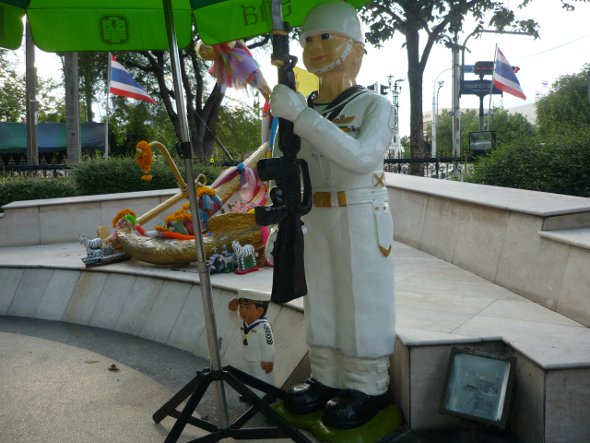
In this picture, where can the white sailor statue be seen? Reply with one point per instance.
(248, 312)
(349, 309)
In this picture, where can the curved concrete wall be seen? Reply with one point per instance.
(535, 244)
(164, 309)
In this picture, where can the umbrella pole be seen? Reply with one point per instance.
(202, 267)
(193, 392)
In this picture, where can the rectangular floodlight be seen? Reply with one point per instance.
(478, 386)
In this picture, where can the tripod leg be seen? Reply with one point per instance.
(265, 409)
(254, 382)
(177, 399)
(189, 408)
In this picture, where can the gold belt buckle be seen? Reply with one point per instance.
(324, 199)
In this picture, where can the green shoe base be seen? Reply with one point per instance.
(385, 423)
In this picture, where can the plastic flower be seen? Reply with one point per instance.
(122, 213)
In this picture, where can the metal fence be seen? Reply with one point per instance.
(33, 170)
(52, 165)
(452, 168)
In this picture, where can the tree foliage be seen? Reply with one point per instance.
(440, 22)
(567, 106)
(91, 70)
(557, 163)
(508, 127)
(12, 91)
(557, 159)
(50, 107)
(239, 128)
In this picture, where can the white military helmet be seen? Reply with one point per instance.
(333, 16)
(253, 295)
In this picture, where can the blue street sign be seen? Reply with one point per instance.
(478, 87)
(469, 69)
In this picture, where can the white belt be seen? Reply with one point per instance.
(351, 197)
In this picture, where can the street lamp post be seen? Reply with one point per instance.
(456, 95)
(395, 91)
(435, 109)
(435, 117)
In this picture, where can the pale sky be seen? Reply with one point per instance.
(562, 49)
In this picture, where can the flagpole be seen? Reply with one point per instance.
(106, 126)
(492, 88)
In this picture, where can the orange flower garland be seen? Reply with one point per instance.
(205, 190)
(143, 158)
(122, 213)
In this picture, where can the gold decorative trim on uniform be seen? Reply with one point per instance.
(343, 119)
(322, 199)
(384, 251)
(379, 179)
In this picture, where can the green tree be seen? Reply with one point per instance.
(557, 159)
(51, 107)
(508, 127)
(12, 91)
(92, 67)
(441, 21)
(567, 106)
(152, 69)
(239, 130)
(557, 163)
(131, 121)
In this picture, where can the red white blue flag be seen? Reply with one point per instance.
(122, 83)
(504, 78)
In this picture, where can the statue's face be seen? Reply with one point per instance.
(320, 50)
(249, 312)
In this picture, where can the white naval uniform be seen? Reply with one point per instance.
(257, 346)
(350, 307)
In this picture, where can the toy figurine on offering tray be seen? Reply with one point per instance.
(248, 312)
(246, 256)
(105, 248)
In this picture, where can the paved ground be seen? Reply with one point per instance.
(57, 385)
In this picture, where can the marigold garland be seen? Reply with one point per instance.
(205, 190)
(143, 159)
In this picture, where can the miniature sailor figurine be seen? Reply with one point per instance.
(258, 351)
(345, 131)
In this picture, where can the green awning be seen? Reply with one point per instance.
(50, 137)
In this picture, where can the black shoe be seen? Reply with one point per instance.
(352, 409)
(309, 396)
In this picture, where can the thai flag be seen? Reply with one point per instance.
(504, 78)
(121, 83)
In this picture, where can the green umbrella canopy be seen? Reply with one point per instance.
(136, 25)
(94, 25)
(224, 20)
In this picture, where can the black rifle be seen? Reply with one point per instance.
(288, 203)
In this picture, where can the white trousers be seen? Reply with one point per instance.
(336, 370)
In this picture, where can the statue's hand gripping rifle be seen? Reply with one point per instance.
(288, 202)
